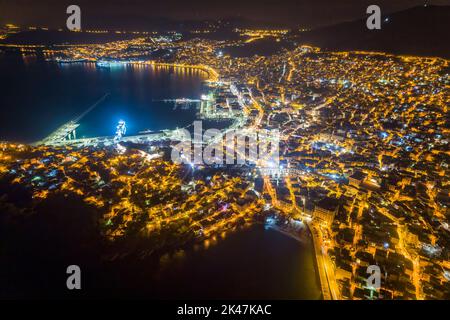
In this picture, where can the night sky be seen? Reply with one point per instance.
(135, 13)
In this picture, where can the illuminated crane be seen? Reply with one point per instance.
(121, 129)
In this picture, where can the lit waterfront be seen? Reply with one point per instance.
(135, 94)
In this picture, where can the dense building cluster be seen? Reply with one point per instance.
(134, 192)
(365, 141)
(363, 160)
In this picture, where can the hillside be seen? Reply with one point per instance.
(416, 31)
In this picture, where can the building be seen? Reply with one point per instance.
(357, 178)
(325, 210)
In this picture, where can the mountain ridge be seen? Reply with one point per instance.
(421, 31)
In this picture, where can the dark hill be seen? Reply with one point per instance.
(417, 31)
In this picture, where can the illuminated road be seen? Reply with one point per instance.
(324, 284)
(327, 278)
(401, 230)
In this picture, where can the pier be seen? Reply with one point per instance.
(67, 131)
(176, 135)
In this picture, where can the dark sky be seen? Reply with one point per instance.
(308, 13)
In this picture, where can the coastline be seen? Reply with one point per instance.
(322, 277)
(327, 293)
(213, 75)
(286, 233)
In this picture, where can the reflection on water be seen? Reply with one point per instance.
(252, 263)
(40, 96)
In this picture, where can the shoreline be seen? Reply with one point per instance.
(318, 264)
(213, 75)
(286, 233)
(321, 269)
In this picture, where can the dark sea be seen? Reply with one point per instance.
(252, 263)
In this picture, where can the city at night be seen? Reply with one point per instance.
(225, 157)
